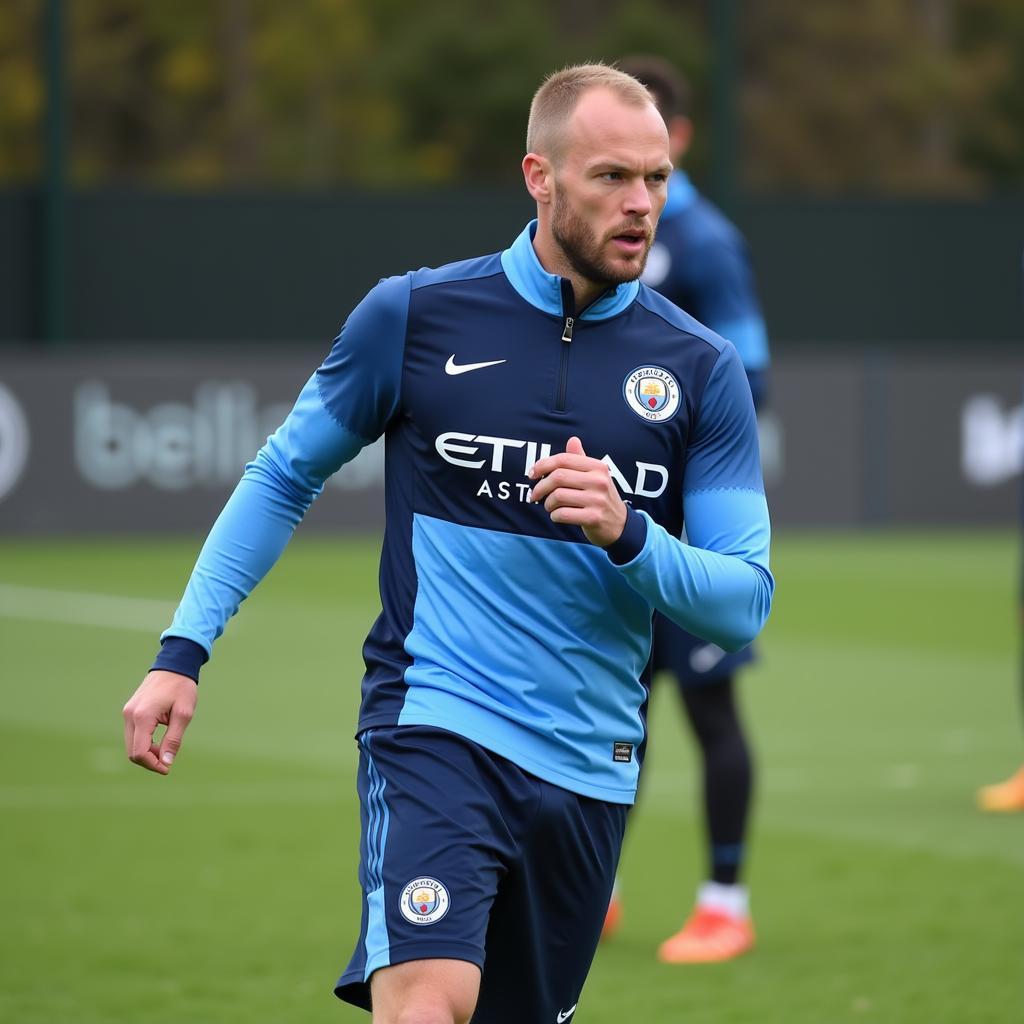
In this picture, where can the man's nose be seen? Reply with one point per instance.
(637, 200)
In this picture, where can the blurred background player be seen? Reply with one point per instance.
(700, 263)
(1007, 797)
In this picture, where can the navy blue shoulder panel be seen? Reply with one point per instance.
(463, 270)
(359, 380)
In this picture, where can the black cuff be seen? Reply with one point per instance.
(632, 539)
(178, 654)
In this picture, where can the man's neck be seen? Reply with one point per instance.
(584, 291)
(554, 261)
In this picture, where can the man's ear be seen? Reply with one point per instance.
(539, 175)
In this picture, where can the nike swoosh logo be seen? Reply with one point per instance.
(452, 369)
(564, 1016)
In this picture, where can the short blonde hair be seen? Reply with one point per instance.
(556, 99)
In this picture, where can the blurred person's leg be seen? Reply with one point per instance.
(719, 928)
(728, 774)
(1007, 797)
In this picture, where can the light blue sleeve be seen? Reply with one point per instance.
(750, 336)
(344, 406)
(716, 584)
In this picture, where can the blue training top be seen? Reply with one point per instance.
(700, 262)
(496, 623)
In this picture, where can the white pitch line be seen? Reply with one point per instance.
(78, 608)
(109, 794)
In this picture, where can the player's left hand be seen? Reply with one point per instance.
(579, 490)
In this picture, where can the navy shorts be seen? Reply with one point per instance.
(465, 856)
(694, 662)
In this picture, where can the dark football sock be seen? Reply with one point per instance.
(728, 774)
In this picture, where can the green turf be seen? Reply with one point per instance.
(226, 893)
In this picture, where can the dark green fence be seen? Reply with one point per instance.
(272, 266)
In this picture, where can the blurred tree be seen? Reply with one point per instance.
(460, 75)
(991, 41)
(239, 91)
(310, 109)
(141, 80)
(900, 95)
(456, 77)
(21, 87)
(879, 95)
(835, 96)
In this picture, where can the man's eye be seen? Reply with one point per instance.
(659, 178)
(612, 176)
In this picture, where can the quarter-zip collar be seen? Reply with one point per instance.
(544, 290)
(681, 195)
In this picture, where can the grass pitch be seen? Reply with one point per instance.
(227, 892)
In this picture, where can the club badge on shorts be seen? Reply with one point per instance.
(424, 901)
(652, 393)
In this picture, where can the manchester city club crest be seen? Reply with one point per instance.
(424, 901)
(652, 393)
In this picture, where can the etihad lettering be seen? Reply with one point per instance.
(643, 471)
(511, 455)
(450, 447)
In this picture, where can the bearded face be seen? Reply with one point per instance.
(617, 256)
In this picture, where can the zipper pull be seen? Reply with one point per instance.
(567, 332)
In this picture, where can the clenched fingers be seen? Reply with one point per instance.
(543, 468)
(163, 698)
(561, 482)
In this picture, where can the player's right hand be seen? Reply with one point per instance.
(163, 698)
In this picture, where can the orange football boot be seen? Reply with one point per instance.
(708, 937)
(1003, 797)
